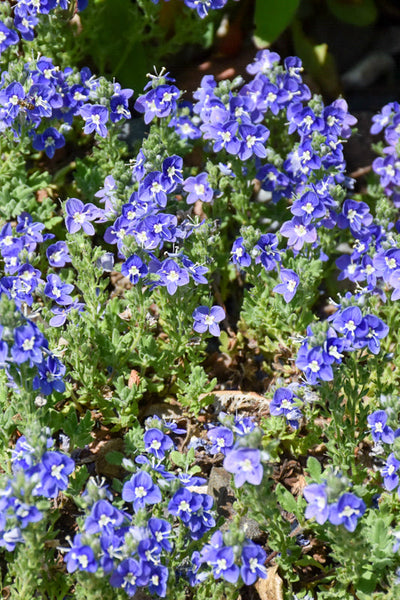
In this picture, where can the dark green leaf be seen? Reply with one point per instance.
(271, 19)
(353, 11)
(314, 468)
(285, 499)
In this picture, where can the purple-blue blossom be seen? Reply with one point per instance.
(245, 464)
(208, 319)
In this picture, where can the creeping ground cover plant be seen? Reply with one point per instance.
(198, 329)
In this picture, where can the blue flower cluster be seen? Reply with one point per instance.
(350, 330)
(223, 558)
(46, 99)
(202, 6)
(22, 282)
(287, 403)
(133, 546)
(37, 472)
(382, 433)
(26, 345)
(346, 509)
(26, 18)
(236, 438)
(387, 166)
(266, 252)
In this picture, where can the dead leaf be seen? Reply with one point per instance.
(270, 588)
(134, 379)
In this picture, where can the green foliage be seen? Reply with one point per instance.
(195, 393)
(361, 13)
(272, 18)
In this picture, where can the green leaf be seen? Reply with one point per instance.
(286, 499)
(78, 480)
(78, 432)
(271, 19)
(317, 60)
(314, 468)
(178, 458)
(114, 458)
(353, 11)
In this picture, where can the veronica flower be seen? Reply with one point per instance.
(207, 319)
(245, 464)
(184, 503)
(284, 403)
(80, 557)
(54, 470)
(103, 517)
(347, 511)
(8, 37)
(129, 576)
(222, 439)
(28, 343)
(298, 233)
(222, 561)
(198, 188)
(79, 216)
(140, 490)
(95, 117)
(58, 255)
(157, 443)
(317, 500)
(389, 473)
(134, 268)
(172, 276)
(239, 255)
(58, 290)
(49, 141)
(379, 429)
(50, 376)
(253, 559)
(288, 287)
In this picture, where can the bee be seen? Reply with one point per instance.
(26, 104)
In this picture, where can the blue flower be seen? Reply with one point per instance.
(172, 276)
(239, 255)
(198, 188)
(222, 561)
(49, 141)
(50, 376)
(129, 576)
(8, 37)
(245, 464)
(53, 474)
(28, 344)
(379, 429)
(389, 473)
(58, 290)
(58, 255)
(207, 319)
(80, 557)
(317, 499)
(347, 511)
(184, 503)
(79, 215)
(140, 490)
(157, 443)
(134, 268)
(222, 439)
(253, 559)
(103, 517)
(288, 287)
(284, 403)
(95, 117)
(160, 530)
